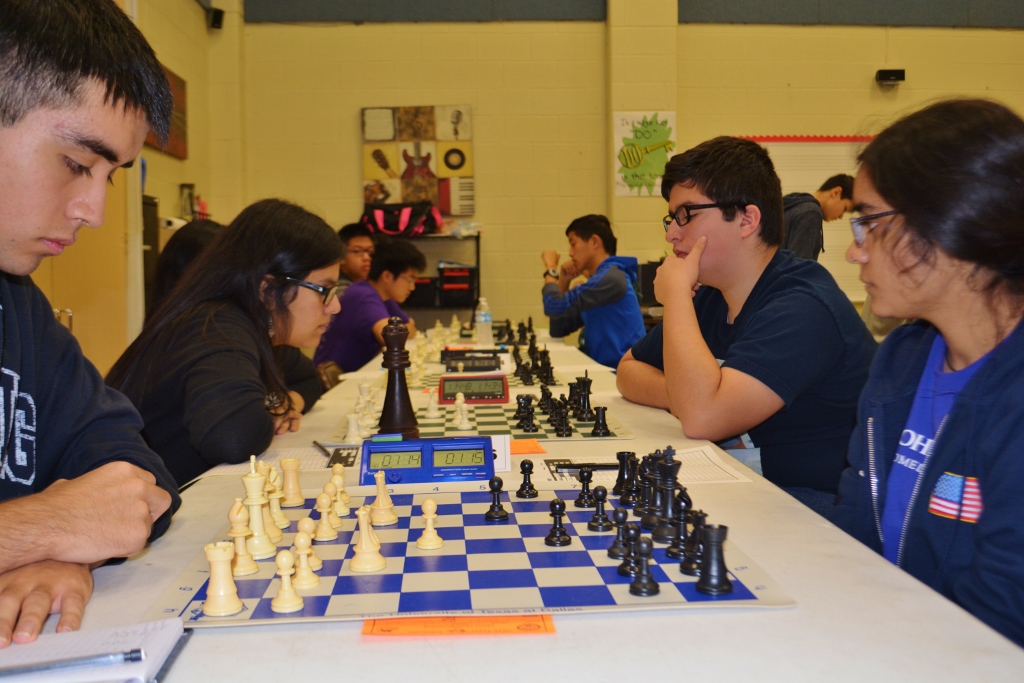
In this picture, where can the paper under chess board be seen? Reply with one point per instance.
(496, 420)
(433, 379)
(483, 568)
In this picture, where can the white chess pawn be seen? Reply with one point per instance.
(364, 389)
(382, 512)
(464, 424)
(367, 554)
(355, 430)
(456, 325)
(307, 525)
(287, 600)
(460, 400)
(324, 530)
(332, 516)
(460, 366)
(242, 564)
(290, 487)
(221, 594)
(304, 576)
(338, 470)
(433, 410)
(340, 508)
(429, 539)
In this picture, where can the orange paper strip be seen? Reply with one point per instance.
(526, 447)
(459, 626)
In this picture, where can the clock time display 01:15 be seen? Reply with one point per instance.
(453, 458)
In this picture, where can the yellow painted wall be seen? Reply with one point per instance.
(177, 31)
(539, 108)
(274, 109)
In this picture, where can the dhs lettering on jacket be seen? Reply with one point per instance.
(18, 428)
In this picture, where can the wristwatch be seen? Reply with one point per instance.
(552, 272)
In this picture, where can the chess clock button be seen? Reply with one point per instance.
(394, 477)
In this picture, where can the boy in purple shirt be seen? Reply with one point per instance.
(355, 334)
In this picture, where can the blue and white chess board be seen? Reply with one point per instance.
(483, 569)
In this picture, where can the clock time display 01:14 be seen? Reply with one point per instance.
(396, 460)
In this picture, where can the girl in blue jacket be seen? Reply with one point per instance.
(936, 462)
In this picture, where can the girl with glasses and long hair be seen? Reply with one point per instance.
(936, 462)
(203, 372)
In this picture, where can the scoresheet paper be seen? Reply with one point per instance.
(700, 465)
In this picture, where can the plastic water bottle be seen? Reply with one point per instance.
(483, 321)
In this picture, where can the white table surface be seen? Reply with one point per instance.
(857, 618)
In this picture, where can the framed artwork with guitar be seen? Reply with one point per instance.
(422, 153)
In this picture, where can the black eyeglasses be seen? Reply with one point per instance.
(688, 210)
(862, 225)
(327, 292)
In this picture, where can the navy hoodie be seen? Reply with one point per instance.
(58, 419)
(804, 234)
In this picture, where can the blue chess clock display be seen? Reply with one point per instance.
(427, 461)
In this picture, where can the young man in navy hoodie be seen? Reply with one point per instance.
(79, 89)
(606, 305)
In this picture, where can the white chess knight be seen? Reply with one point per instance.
(367, 553)
(432, 406)
(429, 539)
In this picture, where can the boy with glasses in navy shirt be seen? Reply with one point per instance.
(766, 355)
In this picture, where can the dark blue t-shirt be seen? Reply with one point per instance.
(935, 395)
(800, 336)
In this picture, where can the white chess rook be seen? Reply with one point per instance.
(293, 497)
(221, 594)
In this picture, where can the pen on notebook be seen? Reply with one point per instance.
(322, 449)
(111, 659)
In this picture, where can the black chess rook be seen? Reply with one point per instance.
(714, 577)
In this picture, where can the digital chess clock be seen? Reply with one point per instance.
(425, 461)
(475, 388)
(464, 360)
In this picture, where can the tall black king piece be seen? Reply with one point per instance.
(398, 416)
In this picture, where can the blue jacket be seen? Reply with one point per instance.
(976, 560)
(606, 306)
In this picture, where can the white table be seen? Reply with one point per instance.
(857, 617)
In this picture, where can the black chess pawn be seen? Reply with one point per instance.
(629, 564)
(620, 478)
(586, 497)
(600, 521)
(557, 537)
(643, 583)
(528, 424)
(714, 577)
(563, 428)
(496, 513)
(692, 549)
(600, 422)
(617, 550)
(529, 324)
(526, 489)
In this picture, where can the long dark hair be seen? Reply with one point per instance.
(181, 250)
(270, 238)
(955, 173)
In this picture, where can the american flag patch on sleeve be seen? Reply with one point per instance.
(956, 497)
